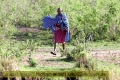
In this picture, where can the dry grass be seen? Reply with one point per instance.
(8, 64)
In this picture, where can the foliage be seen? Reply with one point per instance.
(10, 49)
(95, 17)
(32, 62)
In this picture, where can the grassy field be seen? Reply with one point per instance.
(44, 61)
(57, 63)
(26, 46)
(12, 48)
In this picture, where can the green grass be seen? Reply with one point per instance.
(114, 70)
(103, 45)
(91, 45)
(113, 45)
(60, 64)
(92, 17)
(42, 68)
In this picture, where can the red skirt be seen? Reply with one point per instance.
(59, 36)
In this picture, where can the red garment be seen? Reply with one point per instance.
(59, 35)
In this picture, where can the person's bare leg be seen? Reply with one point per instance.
(54, 53)
(63, 46)
(55, 47)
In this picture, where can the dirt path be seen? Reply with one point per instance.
(46, 59)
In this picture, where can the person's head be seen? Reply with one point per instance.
(59, 11)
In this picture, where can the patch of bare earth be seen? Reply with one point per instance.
(112, 56)
(27, 29)
(47, 59)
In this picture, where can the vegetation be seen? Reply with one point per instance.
(97, 19)
(93, 24)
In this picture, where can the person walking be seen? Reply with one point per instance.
(60, 27)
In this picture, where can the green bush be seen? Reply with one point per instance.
(32, 62)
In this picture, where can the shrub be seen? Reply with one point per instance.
(32, 62)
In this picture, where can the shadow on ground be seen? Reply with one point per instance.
(59, 59)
